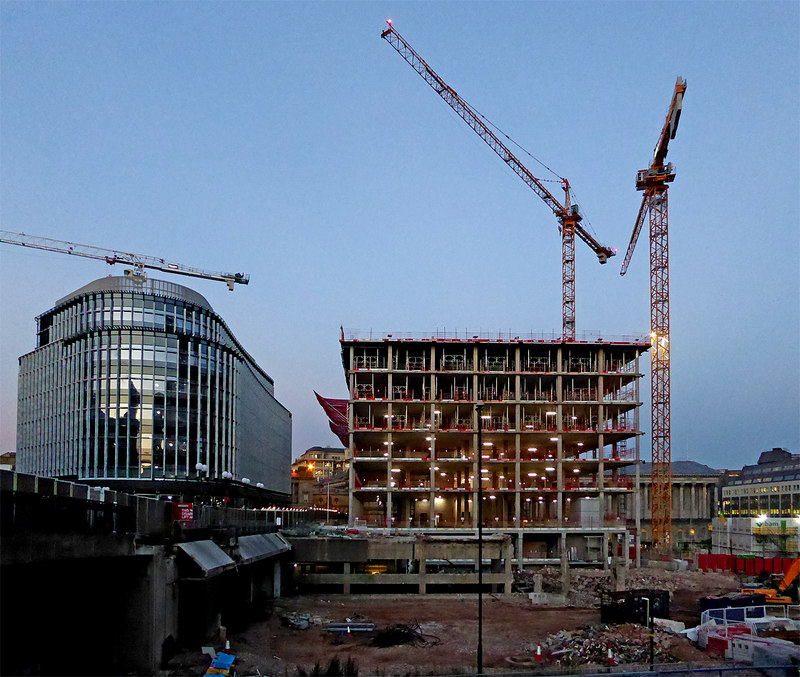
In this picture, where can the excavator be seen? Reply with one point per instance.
(776, 595)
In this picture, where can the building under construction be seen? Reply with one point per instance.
(555, 422)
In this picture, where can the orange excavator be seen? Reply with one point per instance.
(776, 595)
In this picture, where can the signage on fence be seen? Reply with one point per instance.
(183, 511)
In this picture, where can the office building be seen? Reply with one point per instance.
(136, 382)
(760, 513)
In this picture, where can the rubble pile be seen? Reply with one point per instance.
(629, 644)
(586, 585)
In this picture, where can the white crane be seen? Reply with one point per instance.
(112, 256)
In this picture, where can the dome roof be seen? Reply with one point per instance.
(149, 286)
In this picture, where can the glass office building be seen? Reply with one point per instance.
(143, 380)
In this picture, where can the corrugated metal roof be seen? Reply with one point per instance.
(208, 556)
(262, 546)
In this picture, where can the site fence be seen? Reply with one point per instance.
(668, 669)
(751, 566)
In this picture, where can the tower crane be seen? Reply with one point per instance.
(567, 214)
(112, 256)
(653, 182)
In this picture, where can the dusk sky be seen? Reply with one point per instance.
(288, 141)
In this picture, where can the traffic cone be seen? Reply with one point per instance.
(348, 630)
(538, 652)
(610, 655)
(227, 645)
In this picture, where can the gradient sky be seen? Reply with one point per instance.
(288, 141)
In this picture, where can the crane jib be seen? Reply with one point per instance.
(472, 118)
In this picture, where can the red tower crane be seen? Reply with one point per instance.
(567, 214)
(653, 182)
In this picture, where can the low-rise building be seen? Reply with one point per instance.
(760, 509)
(695, 501)
(322, 461)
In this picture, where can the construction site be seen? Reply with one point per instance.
(490, 482)
(496, 520)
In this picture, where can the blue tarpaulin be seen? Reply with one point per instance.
(223, 661)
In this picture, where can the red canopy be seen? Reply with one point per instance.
(337, 413)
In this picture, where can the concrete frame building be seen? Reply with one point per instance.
(136, 382)
(560, 422)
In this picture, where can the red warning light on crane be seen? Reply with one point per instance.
(389, 21)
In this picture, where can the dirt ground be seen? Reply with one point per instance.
(512, 626)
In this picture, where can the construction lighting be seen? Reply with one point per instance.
(487, 444)
(549, 468)
(395, 469)
(550, 413)
(485, 417)
(532, 449)
(575, 470)
(580, 444)
(554, 439)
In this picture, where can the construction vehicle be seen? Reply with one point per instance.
(775, 595)
(112, 256)
(567, 214)
(653, 181)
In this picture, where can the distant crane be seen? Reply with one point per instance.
(567, 214)
(112, 256)
(653, 182)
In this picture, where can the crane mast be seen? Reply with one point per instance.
(112, 256)
(567, 214)
(653, 181)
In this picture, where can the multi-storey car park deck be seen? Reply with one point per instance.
(559, 420)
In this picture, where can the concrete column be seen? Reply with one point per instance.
(422, 556)
(508, 552)
(565, 583)
(604, 550)
(517, 478)
(680, 509)
(276, 578)
(346, 571)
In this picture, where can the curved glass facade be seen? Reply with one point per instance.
(143, 381)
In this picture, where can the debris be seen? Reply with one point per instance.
(598, 644)
(668, 625)
(350, 627)
(398, 634)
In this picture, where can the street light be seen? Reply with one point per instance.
(479, 408)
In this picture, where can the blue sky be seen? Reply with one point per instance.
(288, 141)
